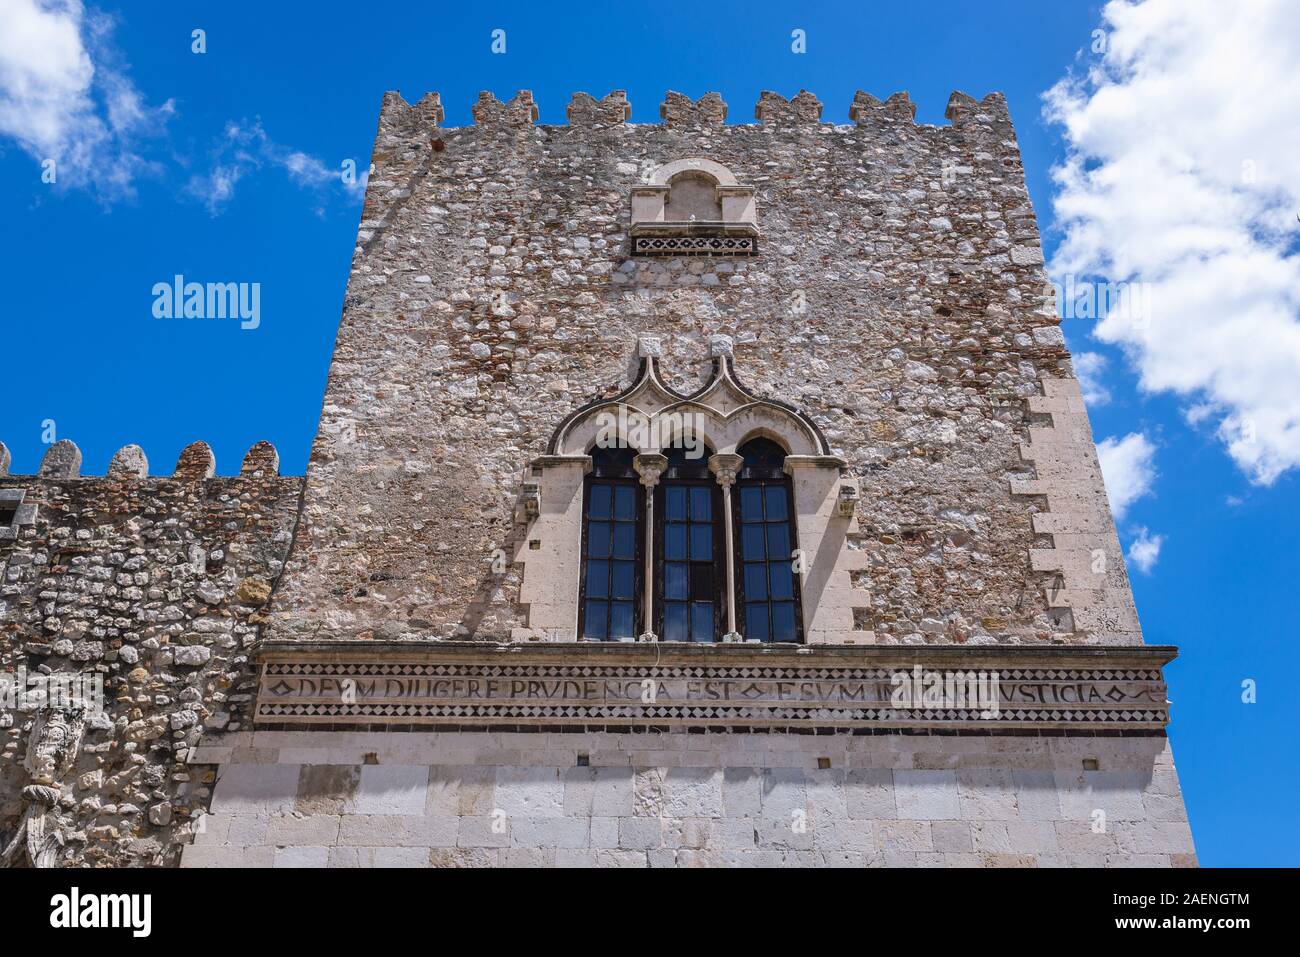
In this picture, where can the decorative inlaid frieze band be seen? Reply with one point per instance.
(694, 245)
(851, 687)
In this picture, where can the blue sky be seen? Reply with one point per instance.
(283, 97)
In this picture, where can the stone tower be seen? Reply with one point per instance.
(693, 493)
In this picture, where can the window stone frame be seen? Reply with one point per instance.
(550, 550)
(24, 512)
(655, 229)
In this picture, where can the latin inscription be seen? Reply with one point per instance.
(649, 689)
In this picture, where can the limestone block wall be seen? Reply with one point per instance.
(664, 799)
(156, 585)
(898, 297)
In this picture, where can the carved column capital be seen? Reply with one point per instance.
(650, 465)
(725, 466)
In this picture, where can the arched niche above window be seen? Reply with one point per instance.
(694, 207)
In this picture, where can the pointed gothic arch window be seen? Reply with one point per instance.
(768, 597)
(652, 543)
(609, 607)
(690, 560)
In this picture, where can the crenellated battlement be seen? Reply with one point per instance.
(62, 460)
(679, 110)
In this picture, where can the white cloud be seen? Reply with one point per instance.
(1144, 551)
(1183, 173)
(1088, 367)
(1128, 466)
(244, 148)
(65, 96)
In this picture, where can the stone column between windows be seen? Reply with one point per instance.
(725, 466)
(649, 466)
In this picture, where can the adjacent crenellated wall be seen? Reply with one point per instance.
(156, 585)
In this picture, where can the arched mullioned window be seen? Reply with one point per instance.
(690, 568)
(694, 547)
(767, 584)
(613, 563)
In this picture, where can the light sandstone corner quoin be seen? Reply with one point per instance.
(382, 662)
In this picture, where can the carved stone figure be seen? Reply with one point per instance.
(51, 754)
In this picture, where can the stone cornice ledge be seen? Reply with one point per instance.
(723, 655)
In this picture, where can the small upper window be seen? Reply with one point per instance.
(693, 207)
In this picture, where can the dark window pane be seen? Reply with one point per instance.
(613, 462)
(593, 623)
(752, 541)
(599, 505)
(624, 580)
(751, 504)
(675, 580)
(675, 542)
(783, 621)
(701, 542)
(625, 502)
(782, 581)
(701, 505)
(597, 579)
(762, 454)
(756, 621)
(675, 621)
(778, 541)
(624, 540)
(756, 581)
(620, 621)
(702, 582)
(776, 501)
(675, 503)
(598, 540)
(702, 621)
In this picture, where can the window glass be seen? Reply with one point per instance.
(624, 583)
(598, 534)
(689, 590)
(597, 579)
(596, 620)
(625, 503)
(675, 542)
(620, 621)
(701, 501)
(675, 580)
(675, 622)
(675, 499)
(781, 575)
(611, 537)
(769, 591)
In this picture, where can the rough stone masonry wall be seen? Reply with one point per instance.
(334, 799)
(898, 297)
(156, 584)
